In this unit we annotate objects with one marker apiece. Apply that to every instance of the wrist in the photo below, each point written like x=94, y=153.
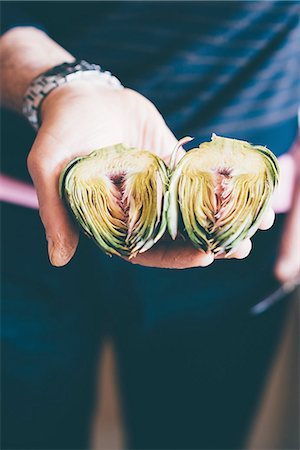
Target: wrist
x=79, y=89
x=25, y=53
x=63, y=74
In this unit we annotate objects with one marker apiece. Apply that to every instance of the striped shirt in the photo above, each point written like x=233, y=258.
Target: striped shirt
x=226, y=67
x=232, y=68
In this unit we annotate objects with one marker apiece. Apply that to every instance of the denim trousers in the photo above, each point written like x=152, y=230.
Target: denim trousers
x=191, y=360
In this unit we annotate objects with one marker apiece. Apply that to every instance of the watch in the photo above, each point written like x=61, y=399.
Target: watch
x=46, y=82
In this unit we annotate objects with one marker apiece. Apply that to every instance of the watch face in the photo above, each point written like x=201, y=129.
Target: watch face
x=60, y=69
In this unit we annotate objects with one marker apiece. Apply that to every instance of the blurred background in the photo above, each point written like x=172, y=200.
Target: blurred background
x=276, y=423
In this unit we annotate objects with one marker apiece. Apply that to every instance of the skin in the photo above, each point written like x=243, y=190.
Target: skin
x=287, y=267
x=80, y=117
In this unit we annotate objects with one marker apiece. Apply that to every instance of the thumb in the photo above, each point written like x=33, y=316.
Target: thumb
x=61, y=234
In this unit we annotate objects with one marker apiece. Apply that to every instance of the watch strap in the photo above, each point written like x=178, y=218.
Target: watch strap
x=57, y=76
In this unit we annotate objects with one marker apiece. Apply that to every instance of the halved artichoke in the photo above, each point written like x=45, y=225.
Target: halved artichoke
x=117, y=196
x=222, y=190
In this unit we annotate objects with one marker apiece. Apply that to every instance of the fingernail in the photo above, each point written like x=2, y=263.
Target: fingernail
x=207, y=259
x=59, y=255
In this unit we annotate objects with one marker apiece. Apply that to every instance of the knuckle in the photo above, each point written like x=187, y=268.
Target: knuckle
x=34, y=162
x=31, y=161
x=38, y=165
x=140, y=100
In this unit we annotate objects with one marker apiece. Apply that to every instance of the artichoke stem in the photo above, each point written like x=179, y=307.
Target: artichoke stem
x=181, y=142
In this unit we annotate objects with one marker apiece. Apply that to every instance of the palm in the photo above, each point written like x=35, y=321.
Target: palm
x=78, y=124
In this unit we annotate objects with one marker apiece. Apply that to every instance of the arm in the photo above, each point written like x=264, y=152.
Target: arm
x=76, y=119
x=25, y=53
x=287, y=266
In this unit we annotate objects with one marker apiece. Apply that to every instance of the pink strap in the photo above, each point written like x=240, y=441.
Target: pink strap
x=17, y=192
x=282, y=198
x=23, y=194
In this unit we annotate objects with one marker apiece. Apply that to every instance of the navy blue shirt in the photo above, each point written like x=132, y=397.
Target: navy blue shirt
x=226, y=67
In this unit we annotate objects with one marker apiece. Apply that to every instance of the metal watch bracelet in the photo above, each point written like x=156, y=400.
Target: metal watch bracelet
x=64, y=73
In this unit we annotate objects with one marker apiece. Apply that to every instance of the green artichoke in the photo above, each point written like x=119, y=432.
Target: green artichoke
x=117, y=196
x=219, y=192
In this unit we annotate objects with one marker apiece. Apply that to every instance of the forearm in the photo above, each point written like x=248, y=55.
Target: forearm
x=25, y=53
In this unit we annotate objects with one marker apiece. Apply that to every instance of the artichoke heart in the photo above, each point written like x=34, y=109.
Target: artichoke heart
x=220, y=191
x=117, y=196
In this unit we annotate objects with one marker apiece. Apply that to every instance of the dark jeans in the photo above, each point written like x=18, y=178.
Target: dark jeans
x=191, y=360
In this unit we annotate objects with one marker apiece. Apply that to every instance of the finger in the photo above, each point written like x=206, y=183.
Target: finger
x=268, y=219
x=287, y=269
x=61, y=233
x=173, y=255
x=242, y=251
x=287, y=266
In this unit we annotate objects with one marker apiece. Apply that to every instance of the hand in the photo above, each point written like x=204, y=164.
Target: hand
x=182, y=255
x=287, y=267
x=79, y=118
